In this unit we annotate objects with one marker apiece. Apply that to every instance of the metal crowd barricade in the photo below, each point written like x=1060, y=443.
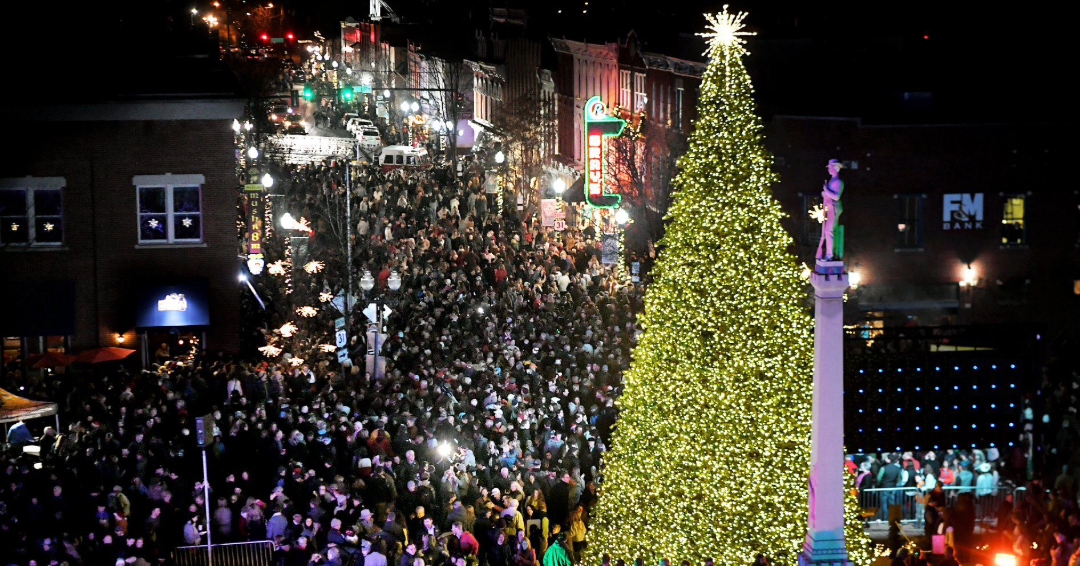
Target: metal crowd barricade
x=258, y=553
x=875, y=502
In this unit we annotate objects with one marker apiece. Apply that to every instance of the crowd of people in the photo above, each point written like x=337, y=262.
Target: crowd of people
x=479, y=441
x=1021, y=499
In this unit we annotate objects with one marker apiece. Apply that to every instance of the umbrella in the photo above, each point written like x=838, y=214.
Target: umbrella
x=109, y=354
x=51, y=360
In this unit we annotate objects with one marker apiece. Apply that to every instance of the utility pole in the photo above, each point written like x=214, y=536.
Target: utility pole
x=348, y=240
x=204, y=436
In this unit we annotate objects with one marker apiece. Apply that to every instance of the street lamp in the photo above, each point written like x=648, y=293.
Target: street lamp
x=854, y=278
x=288, y=222
x=404, y=106
x=500, y=157
x=621, y=217
x=236, y=126
x=267, y=180
x=415, y=106
x=253, y=152
x=560, y=186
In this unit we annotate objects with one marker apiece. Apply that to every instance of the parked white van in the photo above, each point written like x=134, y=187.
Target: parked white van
x=398, y=156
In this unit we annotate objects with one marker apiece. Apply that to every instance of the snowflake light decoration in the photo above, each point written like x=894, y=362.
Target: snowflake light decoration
x=49, y=226
x=818, y=213
x=270, y=350
x=307, y=312
x=725, y=31
x=153, y=223
x=276, y=268
x=287, y=329
x=296, y=362
x=304, y=225
x=186, y=222
x=314, y=266
x=325, y=297
x=328, y=348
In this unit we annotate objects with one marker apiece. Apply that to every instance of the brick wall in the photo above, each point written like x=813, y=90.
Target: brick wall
x=1024, y=284
x=98, y=160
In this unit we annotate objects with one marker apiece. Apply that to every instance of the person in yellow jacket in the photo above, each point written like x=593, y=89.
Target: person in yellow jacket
x=577, y=533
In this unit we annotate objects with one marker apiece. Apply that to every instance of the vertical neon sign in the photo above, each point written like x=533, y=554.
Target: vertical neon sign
x=598, y=125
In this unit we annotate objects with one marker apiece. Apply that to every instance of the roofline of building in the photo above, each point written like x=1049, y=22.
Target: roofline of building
x=859, y=123
x=598, y=50
x=140, y=110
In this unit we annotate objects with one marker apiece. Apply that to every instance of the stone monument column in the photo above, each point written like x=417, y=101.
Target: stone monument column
x=825, y=533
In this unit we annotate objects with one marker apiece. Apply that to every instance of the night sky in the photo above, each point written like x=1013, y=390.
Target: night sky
x=834, y=58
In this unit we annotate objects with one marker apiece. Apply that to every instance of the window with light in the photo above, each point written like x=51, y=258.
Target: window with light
x=32, y=211
x=1014, y=221
x=169, y=212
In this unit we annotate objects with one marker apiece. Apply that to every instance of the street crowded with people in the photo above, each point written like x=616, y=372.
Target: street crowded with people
x=479, y=441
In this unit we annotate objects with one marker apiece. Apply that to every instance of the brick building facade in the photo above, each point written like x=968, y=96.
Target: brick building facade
x=945, y=224
x=122, y=201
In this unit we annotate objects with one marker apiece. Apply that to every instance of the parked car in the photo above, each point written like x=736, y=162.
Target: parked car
x=397, y=156
x=354, y=125
x=279, y=112
x=348, y=116
x=369, y=137
x=296, y=130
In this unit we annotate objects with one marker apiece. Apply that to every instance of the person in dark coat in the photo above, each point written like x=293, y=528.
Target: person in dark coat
x=558, y=501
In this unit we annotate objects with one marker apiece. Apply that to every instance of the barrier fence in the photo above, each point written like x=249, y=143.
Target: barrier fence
x=875, y=502
x=259, y=553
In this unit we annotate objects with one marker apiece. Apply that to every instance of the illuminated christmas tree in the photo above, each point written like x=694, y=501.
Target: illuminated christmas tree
x=710, y=457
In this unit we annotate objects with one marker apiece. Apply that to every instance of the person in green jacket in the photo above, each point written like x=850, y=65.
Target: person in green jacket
x=557, y=554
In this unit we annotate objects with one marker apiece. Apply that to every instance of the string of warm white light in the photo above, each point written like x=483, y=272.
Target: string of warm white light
x=718, y=396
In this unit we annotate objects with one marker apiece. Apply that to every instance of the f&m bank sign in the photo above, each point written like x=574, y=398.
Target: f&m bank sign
x=962, y=211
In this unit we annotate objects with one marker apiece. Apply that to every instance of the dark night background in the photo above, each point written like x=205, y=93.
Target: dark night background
x=956, y=61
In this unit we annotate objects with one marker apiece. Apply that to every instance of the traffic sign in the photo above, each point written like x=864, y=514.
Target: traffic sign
x=370, y=312
x=341, y=338
x=362, y=89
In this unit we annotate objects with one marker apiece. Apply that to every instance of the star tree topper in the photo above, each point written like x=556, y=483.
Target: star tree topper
x=725, y=31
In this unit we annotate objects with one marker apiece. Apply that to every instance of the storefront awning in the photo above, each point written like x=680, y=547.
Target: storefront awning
x=576, y=192
x=37, y=308
x=174, y=305
x=14, y=408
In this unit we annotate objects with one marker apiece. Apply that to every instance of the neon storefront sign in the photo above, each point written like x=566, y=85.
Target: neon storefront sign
x=599, y=125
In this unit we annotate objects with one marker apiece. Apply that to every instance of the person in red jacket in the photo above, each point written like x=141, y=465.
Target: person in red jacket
x=469, y=544
x=947, y=476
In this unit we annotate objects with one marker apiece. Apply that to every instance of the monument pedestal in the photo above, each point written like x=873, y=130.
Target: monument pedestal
x=825, y=545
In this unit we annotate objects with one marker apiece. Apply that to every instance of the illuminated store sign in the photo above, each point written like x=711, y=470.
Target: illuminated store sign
x=962, y=211
x=599, y=125
x=172, y=302
x=255, y=209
